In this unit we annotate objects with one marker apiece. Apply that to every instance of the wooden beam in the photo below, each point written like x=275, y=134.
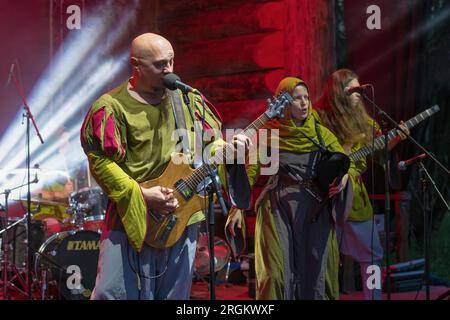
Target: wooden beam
x=179, y=7
x=241, y=54
x=309, y=50
x=239, y=114
x=247, y=86
x=227, y=22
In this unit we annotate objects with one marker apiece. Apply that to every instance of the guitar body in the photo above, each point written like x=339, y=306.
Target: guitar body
x=332, y=165
x=164, y=230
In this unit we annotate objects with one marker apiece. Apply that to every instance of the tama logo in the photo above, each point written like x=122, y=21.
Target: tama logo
x=83, y=245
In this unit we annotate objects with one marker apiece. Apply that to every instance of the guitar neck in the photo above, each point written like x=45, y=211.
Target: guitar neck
x=379, y=142
x=202, y=172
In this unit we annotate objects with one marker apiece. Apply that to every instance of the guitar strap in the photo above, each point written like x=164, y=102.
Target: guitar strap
x=180, y=122
x=319, y=134
x=320, y=145
x=314, y=214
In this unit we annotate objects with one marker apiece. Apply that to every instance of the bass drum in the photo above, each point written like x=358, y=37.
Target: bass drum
x=66, y=265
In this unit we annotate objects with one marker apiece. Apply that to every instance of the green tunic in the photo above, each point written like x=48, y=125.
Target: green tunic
x=361, y=207
x=128, y=142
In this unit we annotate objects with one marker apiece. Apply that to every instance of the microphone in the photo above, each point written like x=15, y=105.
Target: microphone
x=172, y=81
x=349, y=90
x=402, y=165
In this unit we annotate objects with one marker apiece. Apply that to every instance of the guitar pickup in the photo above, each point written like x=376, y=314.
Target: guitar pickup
x=168, y=229
x=184, y=189
x=158, y=217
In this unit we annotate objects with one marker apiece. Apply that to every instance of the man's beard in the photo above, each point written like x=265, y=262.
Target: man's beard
x=158, y=91
x=154, y=91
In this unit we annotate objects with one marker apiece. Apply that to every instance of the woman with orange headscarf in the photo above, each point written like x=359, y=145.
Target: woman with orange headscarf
x=294, y=216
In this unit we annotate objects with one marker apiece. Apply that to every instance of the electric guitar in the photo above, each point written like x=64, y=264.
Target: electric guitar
x=163, y=230
x=335, y=164
x=379, y=142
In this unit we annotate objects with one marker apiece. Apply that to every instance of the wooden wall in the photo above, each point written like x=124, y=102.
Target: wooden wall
x=236, y=51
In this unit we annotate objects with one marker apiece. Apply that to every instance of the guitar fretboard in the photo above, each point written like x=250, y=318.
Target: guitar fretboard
x=379, y=142
x=195, y=178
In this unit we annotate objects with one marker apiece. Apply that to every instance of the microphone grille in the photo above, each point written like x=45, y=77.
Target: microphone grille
x=401, y=166
x=169, y=81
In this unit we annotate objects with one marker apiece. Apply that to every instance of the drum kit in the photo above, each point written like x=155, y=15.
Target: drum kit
x=64, y=247
x=65, y=238
x=222, y=255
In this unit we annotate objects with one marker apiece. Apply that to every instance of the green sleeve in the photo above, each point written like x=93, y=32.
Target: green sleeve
x=253, y=172
x=125, y=193
x=102, y=142
x=361, y=209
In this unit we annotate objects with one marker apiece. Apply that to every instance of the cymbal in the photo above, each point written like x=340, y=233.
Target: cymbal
x=46, y=202
x=44, y=171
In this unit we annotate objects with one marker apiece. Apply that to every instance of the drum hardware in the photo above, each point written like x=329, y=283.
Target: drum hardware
x=17, y=251
x=64, y=263
x=43, y=283
x=44, y=286
x=87, y=207
x=7, y=281
x=222, y=254
x=18, y=248
x=47, y=202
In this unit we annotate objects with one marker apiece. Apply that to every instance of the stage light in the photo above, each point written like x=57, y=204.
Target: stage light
x=432, y=24
x=80, y=72
x=78, y=58
x=86, y=94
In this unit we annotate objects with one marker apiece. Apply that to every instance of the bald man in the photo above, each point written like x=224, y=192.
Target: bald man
x=127, y=137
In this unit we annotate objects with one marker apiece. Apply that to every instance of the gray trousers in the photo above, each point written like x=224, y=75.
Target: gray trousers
x=123, y=274
x=360, y=241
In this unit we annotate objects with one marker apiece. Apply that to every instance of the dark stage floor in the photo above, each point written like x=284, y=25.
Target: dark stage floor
x=200, y=291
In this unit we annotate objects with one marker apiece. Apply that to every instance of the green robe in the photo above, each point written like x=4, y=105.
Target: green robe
x=269, y=260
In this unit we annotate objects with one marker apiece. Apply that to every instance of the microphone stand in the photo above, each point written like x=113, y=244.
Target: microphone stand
x=211, y=189
x=387, y=196
x=387, y=200
x=425, y=178
x=395, y=124
x=29, y=117
x=387, y=206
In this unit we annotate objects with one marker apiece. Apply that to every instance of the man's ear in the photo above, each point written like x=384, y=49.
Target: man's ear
x=134, y=61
